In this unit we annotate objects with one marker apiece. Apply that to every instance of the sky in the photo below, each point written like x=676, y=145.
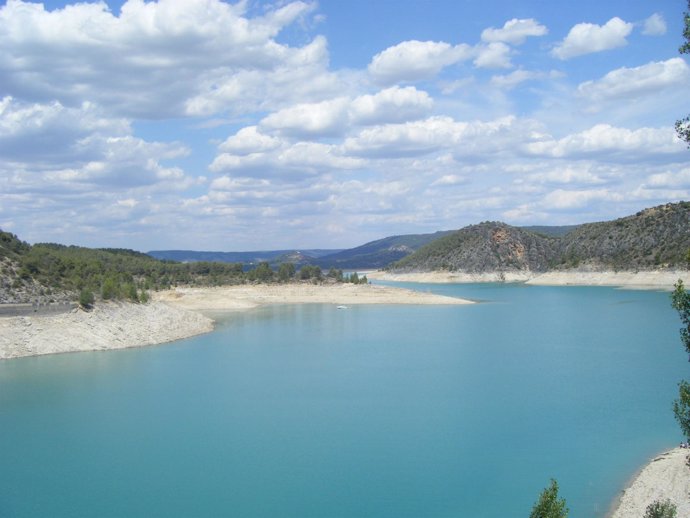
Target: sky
x=257, y=125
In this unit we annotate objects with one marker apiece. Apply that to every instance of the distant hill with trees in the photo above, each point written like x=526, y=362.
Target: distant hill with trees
x=654, y=238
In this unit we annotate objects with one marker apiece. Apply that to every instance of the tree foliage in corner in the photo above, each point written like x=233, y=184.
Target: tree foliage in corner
x=549, y=504
x=683, y=125
x=680, y=300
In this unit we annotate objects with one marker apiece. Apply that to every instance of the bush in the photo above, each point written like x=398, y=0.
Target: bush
x=657, y=509
x=86, y=298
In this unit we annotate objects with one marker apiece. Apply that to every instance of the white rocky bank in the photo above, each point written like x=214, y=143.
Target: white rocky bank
x=106, y=327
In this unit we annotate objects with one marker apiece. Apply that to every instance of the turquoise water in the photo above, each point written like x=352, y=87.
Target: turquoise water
x=375, y=411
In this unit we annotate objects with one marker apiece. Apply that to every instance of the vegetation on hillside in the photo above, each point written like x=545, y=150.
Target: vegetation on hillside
x=658, y=237
x=57, y=272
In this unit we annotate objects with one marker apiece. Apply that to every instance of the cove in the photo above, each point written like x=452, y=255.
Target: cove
x=386, y=411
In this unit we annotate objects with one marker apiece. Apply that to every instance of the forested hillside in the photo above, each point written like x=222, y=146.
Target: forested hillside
x=49, y=272
x=658, y=237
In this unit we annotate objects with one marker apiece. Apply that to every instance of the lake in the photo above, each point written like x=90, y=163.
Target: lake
x=373, y=411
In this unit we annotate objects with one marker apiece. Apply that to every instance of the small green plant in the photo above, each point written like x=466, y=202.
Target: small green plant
x=86, y=298
x=664, y=509
x=549, y=504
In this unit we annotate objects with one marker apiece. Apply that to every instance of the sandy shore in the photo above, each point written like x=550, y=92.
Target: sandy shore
x=249, y=296
x=177, y=314
x=107, y=326
x=666, y=476
x=652, y=279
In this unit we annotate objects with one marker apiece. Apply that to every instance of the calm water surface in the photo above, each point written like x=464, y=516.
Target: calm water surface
x=375, y=411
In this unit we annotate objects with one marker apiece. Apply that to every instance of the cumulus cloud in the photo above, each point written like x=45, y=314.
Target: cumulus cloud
x=415, y=60
x=604, y=139
x=249, y=140
x=561, y=199
x=154, y=59
x=655, y=25
x=514, y=31
x=632, y=82
x=430, y=135
x=493, y=55
x=586, y=38
x=670, y=180
x=390, y=105
x=324, y=118
x=293, y=160
x=53, y=148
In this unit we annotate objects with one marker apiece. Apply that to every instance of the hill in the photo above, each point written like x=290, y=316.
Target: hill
x=379, y=253
x=247, y=258
x=658, y=237
x=488, y=246
x=375, y=254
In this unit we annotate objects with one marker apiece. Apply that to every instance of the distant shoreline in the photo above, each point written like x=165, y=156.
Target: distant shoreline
x=643, y=279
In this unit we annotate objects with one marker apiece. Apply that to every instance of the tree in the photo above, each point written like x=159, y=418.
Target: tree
x=683, y=125
x=681, y=408
x=657, y=509
x=286, y=271
x=549, y=504
x=680, y=300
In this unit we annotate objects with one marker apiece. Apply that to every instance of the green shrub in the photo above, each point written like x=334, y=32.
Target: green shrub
x=657, y=509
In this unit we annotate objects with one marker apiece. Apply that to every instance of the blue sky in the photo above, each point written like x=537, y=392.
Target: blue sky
x=216, y=125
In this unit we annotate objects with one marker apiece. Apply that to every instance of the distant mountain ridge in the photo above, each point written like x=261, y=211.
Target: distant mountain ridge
x=658, y=237
x=375, y=254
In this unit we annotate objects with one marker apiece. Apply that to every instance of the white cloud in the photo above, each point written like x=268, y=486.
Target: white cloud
x=493, y=55
x=434, y=134
x=390, y=105
x=670, y=179
x=323, y=118
x=515, y=31
x=154, y=59
x=655, y=25
x=249, y=140
x=513, y=79
x=298, y=160
x=603, y=139
x=334, y=117
x=415, y=60
x=586, y=38
x=52, y=148
x=569, y=174
x=561, y=199
x=632, y=82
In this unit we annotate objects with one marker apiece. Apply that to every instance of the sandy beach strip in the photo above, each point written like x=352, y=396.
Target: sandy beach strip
x=645, y=279
x=177, y=314
x=666, y=477
x=246, y=296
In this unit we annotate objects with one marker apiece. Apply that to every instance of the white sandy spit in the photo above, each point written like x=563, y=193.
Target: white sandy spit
x=646, y=279
x=667, y=476
x=107, y=326
x=248, y=296
x=176, y=314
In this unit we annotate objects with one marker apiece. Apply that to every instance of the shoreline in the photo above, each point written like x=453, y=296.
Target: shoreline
x=643, y=279
x=177, y=314
x=664, y=476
